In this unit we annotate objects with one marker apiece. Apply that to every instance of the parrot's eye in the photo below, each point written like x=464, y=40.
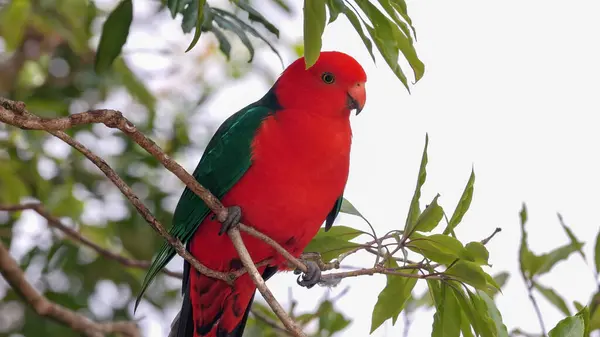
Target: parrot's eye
x=328, y=78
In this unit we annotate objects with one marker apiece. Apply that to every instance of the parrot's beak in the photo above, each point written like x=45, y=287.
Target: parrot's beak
x=357, y=97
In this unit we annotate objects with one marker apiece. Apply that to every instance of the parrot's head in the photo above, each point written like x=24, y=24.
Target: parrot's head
x=334, y=85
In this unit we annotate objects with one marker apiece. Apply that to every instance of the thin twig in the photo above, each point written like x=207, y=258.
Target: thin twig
x=14, y=275
x=270, y=322
x=379, y=269
x=78, y=237
x=486, y=240
x=236, y=237
x=14, y=113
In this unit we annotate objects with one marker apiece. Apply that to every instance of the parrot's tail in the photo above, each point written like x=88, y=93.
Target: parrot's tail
x=212, y=308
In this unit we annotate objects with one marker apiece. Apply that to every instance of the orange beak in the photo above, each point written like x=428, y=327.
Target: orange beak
x=357, y=96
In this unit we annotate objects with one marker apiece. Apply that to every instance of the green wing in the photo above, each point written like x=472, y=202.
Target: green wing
x=225, y=160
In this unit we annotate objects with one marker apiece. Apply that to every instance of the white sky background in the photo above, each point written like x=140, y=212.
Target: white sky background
x=511, y=88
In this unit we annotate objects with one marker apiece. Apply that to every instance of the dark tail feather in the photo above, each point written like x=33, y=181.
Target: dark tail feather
x=183, y=324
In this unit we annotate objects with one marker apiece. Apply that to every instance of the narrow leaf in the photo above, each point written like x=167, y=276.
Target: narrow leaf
x=527, y=260
x=114, y=35
x=480, y=320
x=334, y=242
x=597, y=253
x=199, y=21
x=494, y=314
x=314, y=26
x=437, y=247
x=553, y=298
x=570, y=234
x=447, y=317
x=463, y=204
x=393, y=297
x=431, y=217
x=226, y=24
x=468, y=272
x=548, y=260
x=355, y=22
x=13, y=21
x=573, y=326
x=476, y=252
x=414, y=210
x=256, y=16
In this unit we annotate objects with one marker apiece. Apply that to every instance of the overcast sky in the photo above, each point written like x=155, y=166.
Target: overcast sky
x=511, y=88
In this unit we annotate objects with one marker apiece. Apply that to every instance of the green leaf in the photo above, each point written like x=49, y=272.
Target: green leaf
x=12, y=188
x=447, y=317
x=597, y=253
x=415, y=211
x=334, y=242
x=13, y=21
x=355, y=22
x=553, y=297
x=224, y=44
x=501, y=278
x=329, y=319
x=314, y=26
x=390, y=40
x=348, y=208
x=437, y=247
x=247, y=28
x=463, y=205
x=176, y=6
x=226, y=24
x=199, y=21
x=485, y=323
x=492, y=287
x=527, y=259
x=392, y=12
x=468, y=272
x=431, y=217
x=256, y=16
x=190, y=16
x=548, y=260
x=573, y=326
x=114, y=35
x=465, y=325
x=476, y=252
x=335, y=8
x=494, y=314
x=570, y=234
x=393, y=297
x=472, y=306
x=400, y=6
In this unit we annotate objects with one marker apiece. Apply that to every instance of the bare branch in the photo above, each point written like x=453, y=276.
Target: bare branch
x=22, y=118
x=274, y=324
x=78, y=237
x=235, y=236
x=42, y=306
x=486, y=240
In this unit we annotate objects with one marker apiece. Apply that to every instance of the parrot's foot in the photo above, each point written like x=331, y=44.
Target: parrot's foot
x=234, y=215
x=312, y=275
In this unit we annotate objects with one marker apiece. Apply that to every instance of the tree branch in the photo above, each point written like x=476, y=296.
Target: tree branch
x=78, y=237
x=14, y=113
x=42, y=306
x=235, y=236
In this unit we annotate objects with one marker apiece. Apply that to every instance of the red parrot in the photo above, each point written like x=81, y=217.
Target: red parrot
x=279, y=165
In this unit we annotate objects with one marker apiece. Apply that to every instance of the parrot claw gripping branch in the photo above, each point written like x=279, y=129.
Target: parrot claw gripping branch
x=298, y=135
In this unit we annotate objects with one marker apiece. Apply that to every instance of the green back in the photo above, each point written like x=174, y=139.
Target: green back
x=225, y=160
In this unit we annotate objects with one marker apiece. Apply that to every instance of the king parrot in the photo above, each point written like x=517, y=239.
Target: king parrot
x=279, y=165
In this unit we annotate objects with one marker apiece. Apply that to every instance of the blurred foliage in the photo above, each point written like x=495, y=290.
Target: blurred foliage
x=47, y=60
x=387, y=23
